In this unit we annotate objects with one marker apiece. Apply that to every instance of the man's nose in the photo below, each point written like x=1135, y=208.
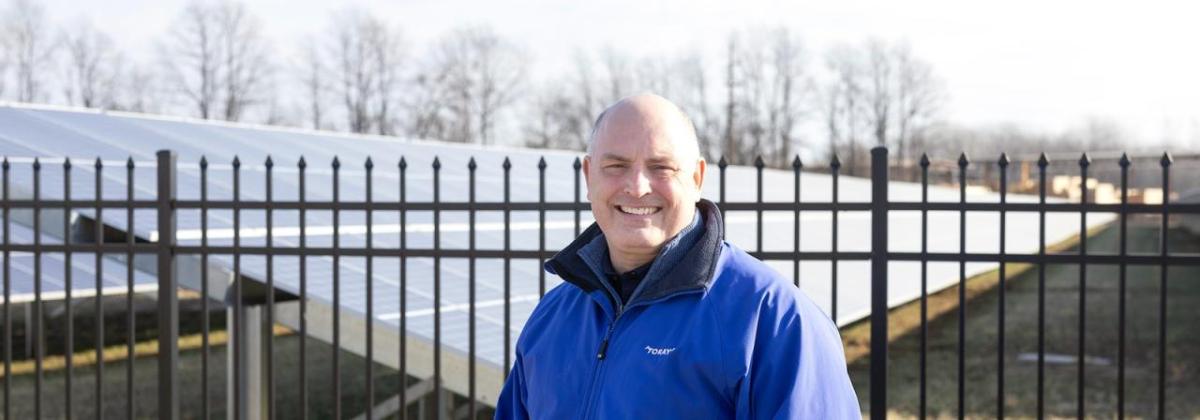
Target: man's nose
x=637, y=184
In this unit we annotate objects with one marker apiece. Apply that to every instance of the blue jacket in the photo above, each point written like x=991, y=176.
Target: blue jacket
x=719, y=335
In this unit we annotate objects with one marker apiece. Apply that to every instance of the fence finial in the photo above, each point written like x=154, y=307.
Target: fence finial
x=269, y=163
x=507, y=164
x=1003, y=162
x=37, y=165
x=924, y=162
x=203, y=162
x=577, y=163
x=542, y=163
x=963, y=160
x=1166, y=159
x=66, y=163
x=301, y=164
x=437, y=163
x=1043, y=161
x=368, y=164
x=722, y=163
x=758, y=162
x=1085, y=160
x=403, y=163
x=1124, y=162
x=835, y=163
x=471, y=164
x=129, y=163
x=237, y=163
x=337, y=163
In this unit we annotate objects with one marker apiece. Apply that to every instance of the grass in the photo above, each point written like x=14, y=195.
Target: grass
x=1061, y=338
x=116, y=403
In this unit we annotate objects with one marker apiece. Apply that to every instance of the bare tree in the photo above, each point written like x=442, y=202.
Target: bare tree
x=878, y=92
x=483, y=72
x=30, y=47
x=313, y=78
x=780, y=103
x=730, y=147
x=553, y=122
x=192, y=58
x=765, y=83
x=243, y=56
x=388, y=52
x=587, y=97
x=752, y=99
x=658, y=73
x=216, y=59
x=790, y=84
x=427, y=107
x=618, y=75
x=138, y=89
x=842, y=103
x=919, y=95
x=693, y=97
x=564, y=109
x=92, y=67
x=368, y=55
x=883, y=88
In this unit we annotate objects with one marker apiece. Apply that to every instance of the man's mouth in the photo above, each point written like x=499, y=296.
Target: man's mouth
x=639, y=211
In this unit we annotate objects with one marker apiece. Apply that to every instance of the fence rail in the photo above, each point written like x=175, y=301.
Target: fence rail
x=167, y=249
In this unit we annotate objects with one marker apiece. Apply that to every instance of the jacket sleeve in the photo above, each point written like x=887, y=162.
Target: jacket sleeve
x=796, y=367
x=511, y=404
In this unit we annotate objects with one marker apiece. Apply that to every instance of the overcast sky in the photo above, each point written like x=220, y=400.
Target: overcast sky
x=1046, y=65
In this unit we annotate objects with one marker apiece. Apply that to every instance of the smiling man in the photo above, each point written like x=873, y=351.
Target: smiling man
x=659, y=317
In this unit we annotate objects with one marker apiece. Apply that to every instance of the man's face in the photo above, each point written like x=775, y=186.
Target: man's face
x=642, y=184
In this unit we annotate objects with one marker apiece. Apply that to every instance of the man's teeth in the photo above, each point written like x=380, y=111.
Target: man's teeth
x=639, y=210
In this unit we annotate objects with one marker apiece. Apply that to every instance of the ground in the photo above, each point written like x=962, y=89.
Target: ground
x=1062, y=320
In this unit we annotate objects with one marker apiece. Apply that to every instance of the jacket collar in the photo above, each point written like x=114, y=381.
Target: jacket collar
x=693, y=269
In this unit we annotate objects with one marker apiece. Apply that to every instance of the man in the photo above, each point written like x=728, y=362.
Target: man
x=659, y=317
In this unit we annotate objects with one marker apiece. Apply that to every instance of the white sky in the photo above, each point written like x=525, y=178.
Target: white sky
x=1046, y=65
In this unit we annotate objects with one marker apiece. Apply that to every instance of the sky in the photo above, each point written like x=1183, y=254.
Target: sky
x=1044, y=65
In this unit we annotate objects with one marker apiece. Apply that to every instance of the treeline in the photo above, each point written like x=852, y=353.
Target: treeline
x=764, y=93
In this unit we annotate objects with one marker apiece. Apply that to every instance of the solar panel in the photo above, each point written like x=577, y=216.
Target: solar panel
x=23, y=274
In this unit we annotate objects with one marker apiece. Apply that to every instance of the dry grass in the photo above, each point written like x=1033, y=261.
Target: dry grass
x=1061, y=338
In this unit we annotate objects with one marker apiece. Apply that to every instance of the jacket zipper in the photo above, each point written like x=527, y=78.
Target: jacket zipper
x=602, y=352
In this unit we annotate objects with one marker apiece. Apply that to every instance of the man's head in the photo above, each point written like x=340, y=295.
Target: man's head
x=644, y=174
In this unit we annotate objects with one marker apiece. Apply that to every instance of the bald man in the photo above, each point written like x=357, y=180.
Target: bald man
x=659, y=317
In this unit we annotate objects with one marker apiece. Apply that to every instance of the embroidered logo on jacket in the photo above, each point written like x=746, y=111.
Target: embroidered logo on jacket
x=657, y=351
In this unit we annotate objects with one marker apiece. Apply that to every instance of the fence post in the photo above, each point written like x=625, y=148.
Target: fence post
x=879, y=283
x=168, y=299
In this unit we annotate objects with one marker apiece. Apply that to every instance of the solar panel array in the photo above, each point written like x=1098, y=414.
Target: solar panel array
x=85, y=136
x=23, y=271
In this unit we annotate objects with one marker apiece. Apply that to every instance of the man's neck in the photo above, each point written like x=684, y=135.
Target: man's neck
x=626, y=262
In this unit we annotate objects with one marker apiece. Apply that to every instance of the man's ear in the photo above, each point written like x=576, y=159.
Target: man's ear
x=587, y=175
x=698, y=176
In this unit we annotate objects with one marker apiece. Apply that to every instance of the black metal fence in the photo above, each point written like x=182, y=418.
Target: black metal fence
x=167, y=249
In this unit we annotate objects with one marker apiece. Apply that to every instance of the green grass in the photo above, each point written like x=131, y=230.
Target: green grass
x=1061, y=337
